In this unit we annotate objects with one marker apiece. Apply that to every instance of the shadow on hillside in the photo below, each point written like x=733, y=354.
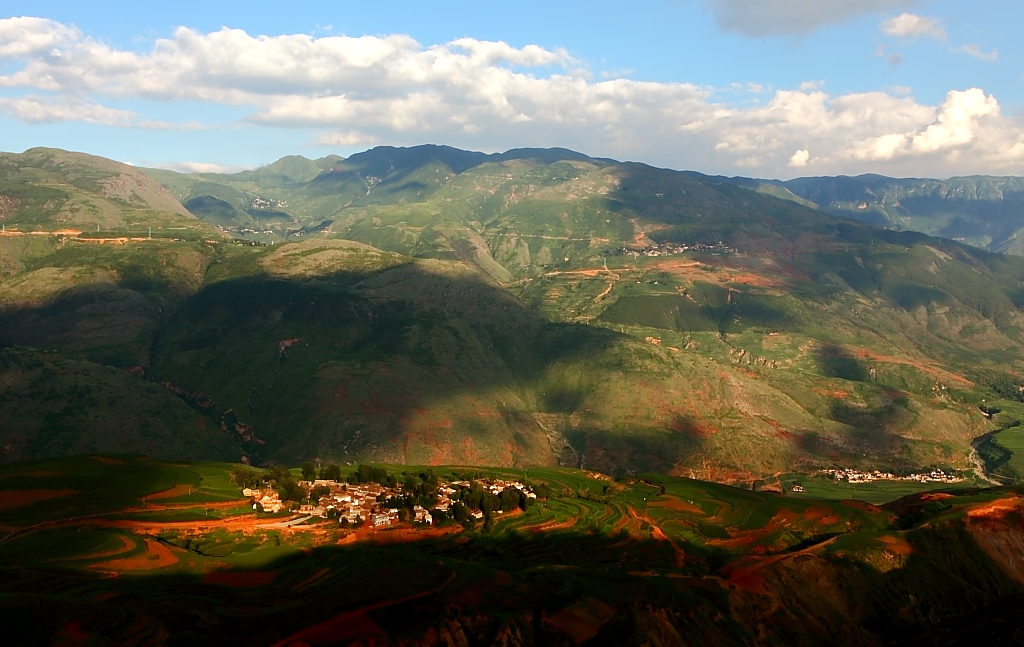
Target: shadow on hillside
x=365, y=592
x=546, y=588
x=416, y=363
x=836, y=361
x=693, y=208
x=640, y=450
x=872, y=429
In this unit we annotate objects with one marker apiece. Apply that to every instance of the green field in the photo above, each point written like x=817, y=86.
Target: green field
x=873, y=492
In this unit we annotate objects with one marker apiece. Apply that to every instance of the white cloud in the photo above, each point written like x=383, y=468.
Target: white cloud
x=800, y=158
x=345, y=139
x=957, y=122
x=37, y=110
x=357, y=91
x=196, y=167
x=27, y=36
x=781, y=17
x=32, y=109
x=908, y=25
x=977, y=52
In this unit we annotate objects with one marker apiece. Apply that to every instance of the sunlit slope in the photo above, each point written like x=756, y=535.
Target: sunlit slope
x=536, y=307
x=46, y=187
x=752, y=332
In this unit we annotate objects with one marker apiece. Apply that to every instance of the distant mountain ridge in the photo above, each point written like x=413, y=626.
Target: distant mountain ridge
x=984, y=211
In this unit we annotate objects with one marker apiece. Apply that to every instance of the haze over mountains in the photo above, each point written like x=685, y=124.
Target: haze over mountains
x=433, y=305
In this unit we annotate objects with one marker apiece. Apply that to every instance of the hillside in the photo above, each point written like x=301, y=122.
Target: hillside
x=119, y=549
x=983, y=211
x=536, y=307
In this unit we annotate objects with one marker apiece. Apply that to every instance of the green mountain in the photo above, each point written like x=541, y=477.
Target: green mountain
x=986, y=212
x=536, y=307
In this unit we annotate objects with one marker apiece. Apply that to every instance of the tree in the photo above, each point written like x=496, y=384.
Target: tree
x=510, y=499
x=330, y=472
x=308, y=471
x=245, y=477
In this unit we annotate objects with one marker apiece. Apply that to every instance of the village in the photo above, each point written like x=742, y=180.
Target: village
x=670, y=249
x=851, y=475
x=376, y=505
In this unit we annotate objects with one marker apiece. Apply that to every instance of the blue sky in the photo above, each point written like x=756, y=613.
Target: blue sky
x=772, y=88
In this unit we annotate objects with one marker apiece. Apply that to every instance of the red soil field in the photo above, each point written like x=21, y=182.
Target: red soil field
x=176, y=491
x=676, y=504
x=896, y=545
x=126, y=545
x=17, y=498
x=551, y=525
x=156, y=556
x=756, y=280
x=997, y=508
x=861, y=505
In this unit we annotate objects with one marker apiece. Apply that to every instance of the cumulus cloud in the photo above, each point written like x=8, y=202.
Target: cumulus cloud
x=956, y=123
x=28, y=36
x=787, y=17
x=908, y=25
x=359, y=91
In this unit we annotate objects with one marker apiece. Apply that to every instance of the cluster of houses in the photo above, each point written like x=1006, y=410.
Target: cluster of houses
x=670, y=249
x=356, y=504
x=267, y=203
x=851, y=475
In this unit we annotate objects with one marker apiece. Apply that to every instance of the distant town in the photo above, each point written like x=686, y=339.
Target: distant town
x=851, y=475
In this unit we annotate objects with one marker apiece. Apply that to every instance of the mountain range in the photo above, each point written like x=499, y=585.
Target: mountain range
x=430, y=305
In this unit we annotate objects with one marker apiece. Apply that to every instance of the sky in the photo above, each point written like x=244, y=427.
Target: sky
x=757, y=88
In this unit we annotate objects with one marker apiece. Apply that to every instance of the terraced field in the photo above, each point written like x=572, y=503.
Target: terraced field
x=124, y=548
